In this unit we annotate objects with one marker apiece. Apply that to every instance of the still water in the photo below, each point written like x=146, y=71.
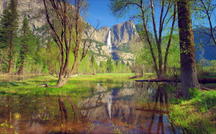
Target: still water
x=123, y=108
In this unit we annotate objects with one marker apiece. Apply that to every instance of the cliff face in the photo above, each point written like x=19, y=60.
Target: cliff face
x=120, y=33
x=2, y=5
x=33, y=9
x=112, y=41
x=123, y=33
x=118, y=39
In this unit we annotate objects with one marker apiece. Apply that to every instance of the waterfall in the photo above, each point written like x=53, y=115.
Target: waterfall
x=109, y=42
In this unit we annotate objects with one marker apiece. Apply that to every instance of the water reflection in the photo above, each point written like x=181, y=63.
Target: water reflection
x=128, y=108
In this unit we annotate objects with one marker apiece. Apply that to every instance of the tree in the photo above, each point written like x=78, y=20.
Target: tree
x=66, y=29
x=8, y=31
x=205, y=9
x=102, y=67
x=147, y=10
x=109, y=65
x=27, y=42
x=93, y=64
x=187, y=50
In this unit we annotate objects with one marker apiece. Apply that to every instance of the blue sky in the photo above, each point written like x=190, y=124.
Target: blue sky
x=99, y=13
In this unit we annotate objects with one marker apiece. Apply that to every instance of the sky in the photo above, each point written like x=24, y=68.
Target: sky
x=99, y=14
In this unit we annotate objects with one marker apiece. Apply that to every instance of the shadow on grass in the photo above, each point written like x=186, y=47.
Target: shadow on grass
x=6, y=84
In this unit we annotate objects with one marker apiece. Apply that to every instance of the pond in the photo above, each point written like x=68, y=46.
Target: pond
x=123, y=108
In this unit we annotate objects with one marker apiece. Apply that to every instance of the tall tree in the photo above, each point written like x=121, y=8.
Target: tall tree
x=8, y=31
x=152, y=23
x=27, y=42
x=109, y=65
x=66, y=29
x=187, y=50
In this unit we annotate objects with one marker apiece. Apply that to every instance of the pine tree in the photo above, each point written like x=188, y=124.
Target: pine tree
x=93, y=64
x=109, y=65
x=26, y=39
x=8, y=31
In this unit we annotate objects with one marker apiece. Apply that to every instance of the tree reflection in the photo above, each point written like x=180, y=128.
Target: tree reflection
x=160, y=109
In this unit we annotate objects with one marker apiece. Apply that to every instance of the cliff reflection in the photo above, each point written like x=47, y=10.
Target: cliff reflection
x=143, y=109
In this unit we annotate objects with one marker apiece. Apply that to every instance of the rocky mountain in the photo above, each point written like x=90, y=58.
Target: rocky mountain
x=117, y=39
x=112, y=41
x=119, y=34
x=205, y=47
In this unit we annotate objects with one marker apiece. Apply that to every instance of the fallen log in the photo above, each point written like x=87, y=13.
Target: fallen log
x=153, y=111
x=203, y=81
x=135, y=77
x=158, y=80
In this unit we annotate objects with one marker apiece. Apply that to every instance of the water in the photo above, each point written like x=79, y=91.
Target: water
x=109, y=42
x=110, y=107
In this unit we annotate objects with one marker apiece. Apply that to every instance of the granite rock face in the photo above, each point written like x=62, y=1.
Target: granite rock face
x=121, y=37
x=123, y=33
x=33, y=9
x=120, y=33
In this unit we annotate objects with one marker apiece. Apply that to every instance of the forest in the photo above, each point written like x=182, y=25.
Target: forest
x=107, y=67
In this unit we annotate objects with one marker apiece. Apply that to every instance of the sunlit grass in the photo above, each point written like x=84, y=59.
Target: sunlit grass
x=77, y=86
x=196, y=115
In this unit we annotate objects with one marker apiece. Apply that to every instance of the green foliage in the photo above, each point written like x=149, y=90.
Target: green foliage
x=28, y=45
x=205, y=100
x=193, y=92
x=88, y=65
x=48, y=64
x=144, y=61
x=174, y=53
x=109, y=65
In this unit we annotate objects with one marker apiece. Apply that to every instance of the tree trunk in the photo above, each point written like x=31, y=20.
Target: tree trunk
x=61, y=81
x=10, y=63
x=74, y=69
x=10, y=57
x=21, y=68
x=21, y=64
x=9, y=66
x=188, y=64
x=64, y=74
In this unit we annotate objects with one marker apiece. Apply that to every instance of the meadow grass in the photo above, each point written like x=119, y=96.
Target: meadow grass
x=197, y=115
x=78, y=85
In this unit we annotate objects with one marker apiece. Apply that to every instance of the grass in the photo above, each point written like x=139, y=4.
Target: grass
x=197, y=115
x=76, y=86
x=147, y=76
